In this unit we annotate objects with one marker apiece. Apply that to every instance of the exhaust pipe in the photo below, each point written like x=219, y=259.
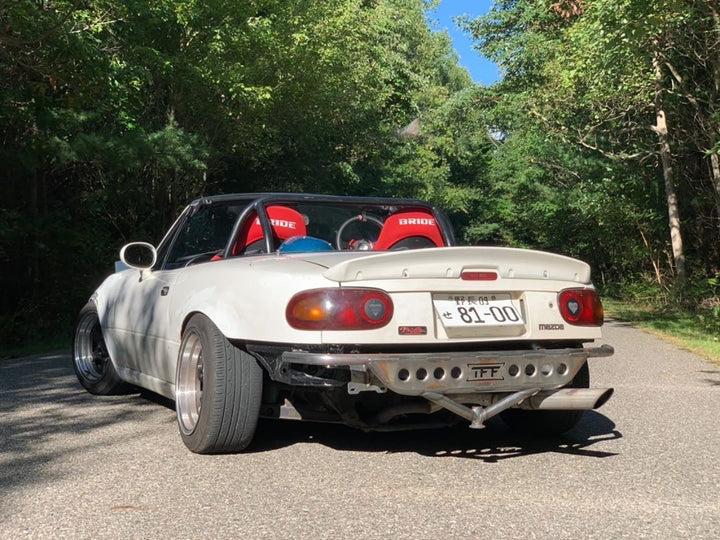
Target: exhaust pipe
x=578, y=399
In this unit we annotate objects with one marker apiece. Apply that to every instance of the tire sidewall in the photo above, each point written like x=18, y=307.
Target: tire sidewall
x=109, y=382
x=231, y=392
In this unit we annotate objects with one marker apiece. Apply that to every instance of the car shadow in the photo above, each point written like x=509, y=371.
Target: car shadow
x=46, y=383
x=494, y=443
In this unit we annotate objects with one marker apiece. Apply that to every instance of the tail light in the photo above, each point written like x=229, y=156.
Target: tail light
x=339, y=309
x=581, y=307
x=478, y=275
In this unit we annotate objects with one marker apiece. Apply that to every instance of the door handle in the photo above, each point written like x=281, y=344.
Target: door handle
x=165, y=290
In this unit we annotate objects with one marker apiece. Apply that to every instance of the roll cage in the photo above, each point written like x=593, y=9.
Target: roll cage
x=257, y=205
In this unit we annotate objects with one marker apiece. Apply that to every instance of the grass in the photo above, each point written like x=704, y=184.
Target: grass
x=682, y=327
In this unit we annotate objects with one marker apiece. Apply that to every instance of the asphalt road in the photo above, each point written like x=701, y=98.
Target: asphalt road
x=646, y=465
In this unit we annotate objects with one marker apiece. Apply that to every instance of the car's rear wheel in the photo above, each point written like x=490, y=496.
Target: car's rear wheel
x=548, y=422
x=91, y=359
x=218, y=390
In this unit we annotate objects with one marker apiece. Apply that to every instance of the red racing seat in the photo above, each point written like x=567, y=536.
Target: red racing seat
x=408, y=229
x=285, y=223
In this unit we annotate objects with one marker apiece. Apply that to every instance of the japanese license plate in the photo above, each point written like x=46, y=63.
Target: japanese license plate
x=476, y=310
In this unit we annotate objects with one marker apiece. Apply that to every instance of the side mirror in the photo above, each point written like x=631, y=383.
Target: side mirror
x=140, y=255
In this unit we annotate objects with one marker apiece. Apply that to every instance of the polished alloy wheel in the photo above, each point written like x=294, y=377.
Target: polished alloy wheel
x=90, y=354
x=189, y=388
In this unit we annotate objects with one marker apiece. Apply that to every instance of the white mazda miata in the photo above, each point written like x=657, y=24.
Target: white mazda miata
x=340, y=309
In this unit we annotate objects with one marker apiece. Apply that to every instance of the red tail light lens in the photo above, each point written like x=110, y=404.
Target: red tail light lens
x=581, y=307
x=339, y=309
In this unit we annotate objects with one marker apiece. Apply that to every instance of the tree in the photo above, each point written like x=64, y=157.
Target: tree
x=115, y=114
x=624, y=84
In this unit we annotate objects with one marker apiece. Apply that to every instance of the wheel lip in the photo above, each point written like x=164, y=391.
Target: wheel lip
x=84, y=356
x=188, y=385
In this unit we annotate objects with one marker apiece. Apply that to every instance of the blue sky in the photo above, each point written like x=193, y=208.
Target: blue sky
x=480, y=68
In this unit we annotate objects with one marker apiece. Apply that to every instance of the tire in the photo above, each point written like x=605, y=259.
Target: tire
x=218, y=391
x=91, y=360
x=548, y=423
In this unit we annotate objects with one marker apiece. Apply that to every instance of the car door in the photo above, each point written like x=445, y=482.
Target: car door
x=142, y=312
x=136, y=309
x=155, y=341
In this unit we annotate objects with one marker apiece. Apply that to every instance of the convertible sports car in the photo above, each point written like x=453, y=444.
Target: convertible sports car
x=340, y=309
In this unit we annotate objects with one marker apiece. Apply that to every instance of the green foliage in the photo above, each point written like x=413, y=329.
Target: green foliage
x=113, y=115
x=577, y=168
x=638, y=289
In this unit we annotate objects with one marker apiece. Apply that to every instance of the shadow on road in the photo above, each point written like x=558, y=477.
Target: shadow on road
x=41, y=403
x=46, y=414
x=492, y=444
x=715, y=381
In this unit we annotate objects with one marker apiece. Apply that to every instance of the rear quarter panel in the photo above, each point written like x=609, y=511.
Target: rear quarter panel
x=246, y=297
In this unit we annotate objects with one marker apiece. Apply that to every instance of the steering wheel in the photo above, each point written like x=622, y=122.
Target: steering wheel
x=361, y=244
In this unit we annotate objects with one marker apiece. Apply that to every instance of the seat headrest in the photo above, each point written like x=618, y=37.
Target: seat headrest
x=285, y=223
x=409, y=224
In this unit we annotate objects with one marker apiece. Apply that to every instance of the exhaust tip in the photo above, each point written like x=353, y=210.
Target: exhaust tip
x=604, y=397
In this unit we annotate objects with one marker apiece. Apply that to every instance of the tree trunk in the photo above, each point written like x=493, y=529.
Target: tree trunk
x=715, y=62
x=661, y=130
x=715, y=172
x=655, y=264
